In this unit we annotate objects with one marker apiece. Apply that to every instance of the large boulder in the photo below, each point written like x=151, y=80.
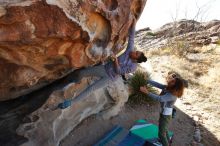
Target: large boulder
x=43, y=40
x=48, y=126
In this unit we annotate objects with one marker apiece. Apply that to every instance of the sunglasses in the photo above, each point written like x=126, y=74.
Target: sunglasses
x=174, y=76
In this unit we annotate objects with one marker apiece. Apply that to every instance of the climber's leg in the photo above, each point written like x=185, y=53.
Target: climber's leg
x=98, y=71
x=101, y=83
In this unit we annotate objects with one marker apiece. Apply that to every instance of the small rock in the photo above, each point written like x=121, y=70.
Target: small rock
x=197, y=135
x=194, y=143
x=214, y=39
x=196, y=118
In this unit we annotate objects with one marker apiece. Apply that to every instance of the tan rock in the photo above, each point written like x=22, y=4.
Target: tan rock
x=52, y=126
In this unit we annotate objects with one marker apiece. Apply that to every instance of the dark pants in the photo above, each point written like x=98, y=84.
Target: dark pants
x=163, y=129
x=98, y=71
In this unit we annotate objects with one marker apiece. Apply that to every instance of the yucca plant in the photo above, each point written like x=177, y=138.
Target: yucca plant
x=136, y=81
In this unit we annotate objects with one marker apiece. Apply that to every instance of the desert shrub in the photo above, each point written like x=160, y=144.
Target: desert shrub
x=137, y=80
x=218, y=42
x=150, y=33
x=178, y=48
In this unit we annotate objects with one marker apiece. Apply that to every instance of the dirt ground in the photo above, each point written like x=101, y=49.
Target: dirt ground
x=93, y=128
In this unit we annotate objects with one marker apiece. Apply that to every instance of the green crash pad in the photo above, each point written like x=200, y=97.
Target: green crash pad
x=146, y=130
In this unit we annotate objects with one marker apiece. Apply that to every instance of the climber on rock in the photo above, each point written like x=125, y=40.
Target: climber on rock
x=126, y=63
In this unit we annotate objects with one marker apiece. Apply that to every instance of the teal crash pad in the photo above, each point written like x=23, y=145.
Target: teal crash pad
x=142, y=133
x=114, y=137
x=146, y=130
x=120, y=136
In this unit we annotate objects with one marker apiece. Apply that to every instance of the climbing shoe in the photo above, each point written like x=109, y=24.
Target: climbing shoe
x=65, y=104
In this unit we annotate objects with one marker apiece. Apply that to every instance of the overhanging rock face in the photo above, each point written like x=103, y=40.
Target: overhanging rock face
x=43, y=40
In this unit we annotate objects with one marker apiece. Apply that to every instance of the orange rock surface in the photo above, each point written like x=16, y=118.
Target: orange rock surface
x=43, y=40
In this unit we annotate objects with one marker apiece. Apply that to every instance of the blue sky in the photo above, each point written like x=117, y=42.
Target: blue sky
x=159, y=12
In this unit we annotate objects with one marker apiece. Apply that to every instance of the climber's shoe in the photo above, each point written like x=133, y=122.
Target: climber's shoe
x=65, y=104
x=170, y=140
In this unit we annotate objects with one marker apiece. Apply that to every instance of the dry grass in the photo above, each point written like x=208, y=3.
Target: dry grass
x=160, y=51
x=178, y=48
